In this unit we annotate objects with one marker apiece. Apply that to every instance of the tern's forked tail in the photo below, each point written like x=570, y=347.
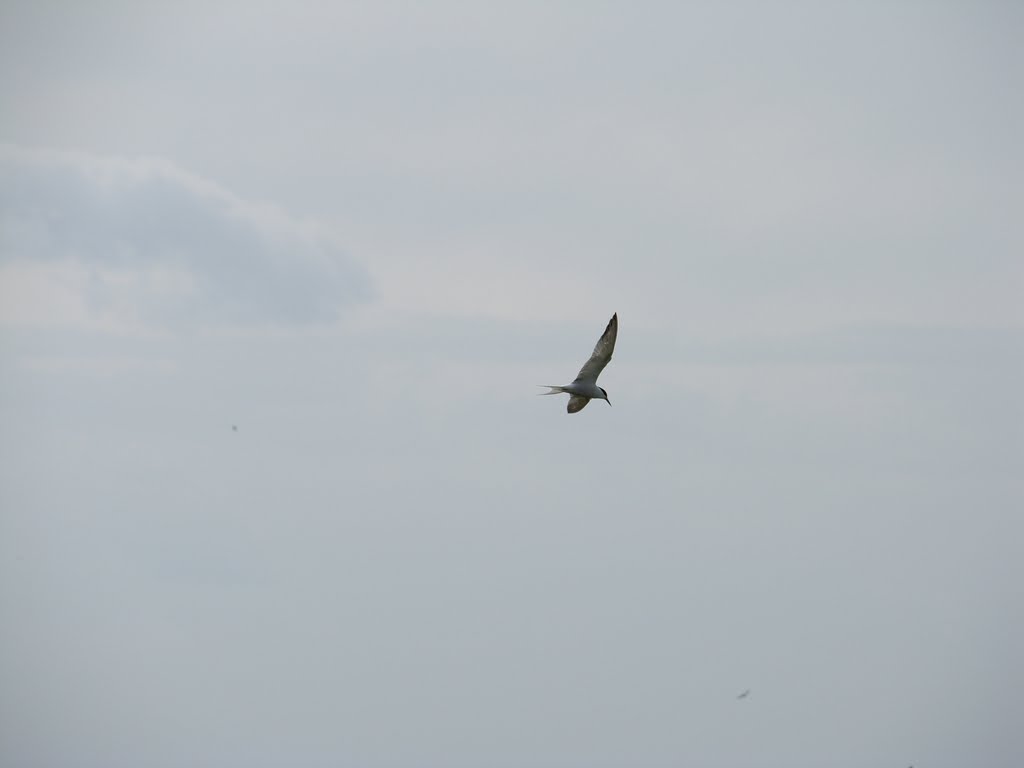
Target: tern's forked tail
x=554, y=390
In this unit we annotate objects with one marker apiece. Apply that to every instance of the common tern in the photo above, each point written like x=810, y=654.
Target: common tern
x=584, y=388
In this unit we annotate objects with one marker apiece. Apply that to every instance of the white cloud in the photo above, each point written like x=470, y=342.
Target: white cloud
x=110, y=240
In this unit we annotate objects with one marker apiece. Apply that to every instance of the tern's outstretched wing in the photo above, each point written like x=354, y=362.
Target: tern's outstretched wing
x=577, y=403
x=602, y=352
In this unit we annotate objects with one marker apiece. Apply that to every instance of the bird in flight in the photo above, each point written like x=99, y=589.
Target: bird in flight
x=584, y=388
x=744, y=694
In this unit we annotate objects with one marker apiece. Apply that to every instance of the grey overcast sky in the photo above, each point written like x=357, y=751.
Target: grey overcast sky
x=362, y=232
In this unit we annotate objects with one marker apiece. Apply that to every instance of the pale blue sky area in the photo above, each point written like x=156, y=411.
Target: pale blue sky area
x=362, y=233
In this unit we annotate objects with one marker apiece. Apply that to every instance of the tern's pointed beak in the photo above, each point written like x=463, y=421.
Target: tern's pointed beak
x=608, y=401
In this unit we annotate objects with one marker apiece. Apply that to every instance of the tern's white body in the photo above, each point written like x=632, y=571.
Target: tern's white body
x=584, y=388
